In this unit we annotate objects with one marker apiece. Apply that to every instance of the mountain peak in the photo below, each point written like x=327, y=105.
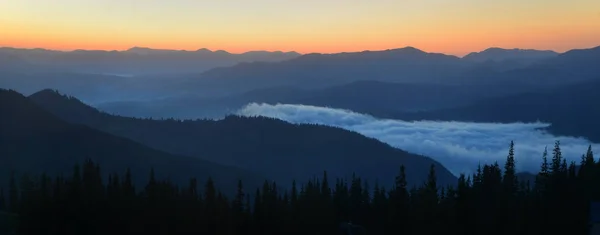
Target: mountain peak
x=502, y=54
x=411, y=49
x=136, y=48
x=221, y=52
x=4, y=93
x=53, y=98
x=24, y=114
x=514, y=50
x=203, y=50
x=46, y=93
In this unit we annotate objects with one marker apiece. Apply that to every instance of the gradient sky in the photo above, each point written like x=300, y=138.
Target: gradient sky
x=448, y=26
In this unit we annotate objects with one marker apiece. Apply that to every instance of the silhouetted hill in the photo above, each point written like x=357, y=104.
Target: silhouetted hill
x=275, y=148
x=495, y=60
x=572, y=110
x=33, y=141
x=500, y=54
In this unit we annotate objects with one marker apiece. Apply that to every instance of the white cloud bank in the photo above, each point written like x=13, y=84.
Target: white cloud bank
x=459, y=146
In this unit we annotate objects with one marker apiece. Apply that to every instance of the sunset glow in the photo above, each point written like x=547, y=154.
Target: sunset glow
x=453, y=27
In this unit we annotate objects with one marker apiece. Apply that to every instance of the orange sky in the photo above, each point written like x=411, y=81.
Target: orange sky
x=448, y=26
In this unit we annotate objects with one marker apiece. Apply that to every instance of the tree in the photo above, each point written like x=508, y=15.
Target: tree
x=556, y=159
x=13, y=194
x=431, y=185
x=238, y=202
x=510, y=179
x=2, y=200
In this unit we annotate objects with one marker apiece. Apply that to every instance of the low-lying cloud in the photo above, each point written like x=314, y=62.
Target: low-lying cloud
x=459, y=146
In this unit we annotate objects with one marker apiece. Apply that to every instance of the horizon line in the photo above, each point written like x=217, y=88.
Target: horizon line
x=275, y=51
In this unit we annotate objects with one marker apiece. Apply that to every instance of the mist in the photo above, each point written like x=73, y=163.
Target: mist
x=460, y=146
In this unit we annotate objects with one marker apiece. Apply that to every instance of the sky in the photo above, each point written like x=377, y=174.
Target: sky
x=459, y=146
x=327, y=26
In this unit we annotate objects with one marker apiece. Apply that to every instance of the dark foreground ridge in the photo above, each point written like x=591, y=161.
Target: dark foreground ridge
x=492, y=201
x=32, y=141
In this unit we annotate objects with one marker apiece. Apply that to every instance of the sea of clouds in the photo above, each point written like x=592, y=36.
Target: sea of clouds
x=460, y=146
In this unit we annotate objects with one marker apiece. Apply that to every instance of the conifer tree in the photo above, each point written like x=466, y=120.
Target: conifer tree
x=2, y=200
x=510, y=178
x=431, y=185
x=13, y=194
x=556, y=159
x=545, y=168
x=238, y=203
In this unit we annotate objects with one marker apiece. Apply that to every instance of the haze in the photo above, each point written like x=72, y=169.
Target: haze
x=452, y=27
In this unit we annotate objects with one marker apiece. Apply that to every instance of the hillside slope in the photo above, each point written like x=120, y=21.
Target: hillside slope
x=33, y=141
x=275, y=148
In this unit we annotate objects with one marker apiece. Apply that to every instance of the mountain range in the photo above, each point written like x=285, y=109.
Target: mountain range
x=405, y=65
x=552, y=90
x=381, y=99
x=138, y=61
x=521, y=56
x=268, y=147
x=572, y=110
x=507, y=73
x=495, y=85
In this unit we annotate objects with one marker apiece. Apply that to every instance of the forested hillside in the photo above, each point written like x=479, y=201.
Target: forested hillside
x=492, y=201
x=33, y=141
x=277, y=149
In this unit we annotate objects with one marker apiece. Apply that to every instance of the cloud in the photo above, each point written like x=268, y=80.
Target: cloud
x=459, y=146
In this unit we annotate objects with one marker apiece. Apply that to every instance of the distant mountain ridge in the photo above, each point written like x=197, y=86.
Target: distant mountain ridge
x=315, y=70
x=403, y=65
x=144, y=50
x=500, y=54
x=311, y=71
x=376, y=98
x=573, y=110
x=345, y=81
x=141, y=60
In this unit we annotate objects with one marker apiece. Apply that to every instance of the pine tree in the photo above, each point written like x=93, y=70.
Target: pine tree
x=545, y=168
x=401, y=179
x=399, y=200
x=431, y=185
x=589, y=155
x=510, y=179
x=238, y=203
x=556, y=159
x=13, y=194
x=2, y=200
x=477, y=177
x=325, y=189
x=541, y=180
x=211, y=206
x=294, y=194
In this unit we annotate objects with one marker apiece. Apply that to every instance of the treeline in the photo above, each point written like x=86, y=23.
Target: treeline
x=491, y=201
